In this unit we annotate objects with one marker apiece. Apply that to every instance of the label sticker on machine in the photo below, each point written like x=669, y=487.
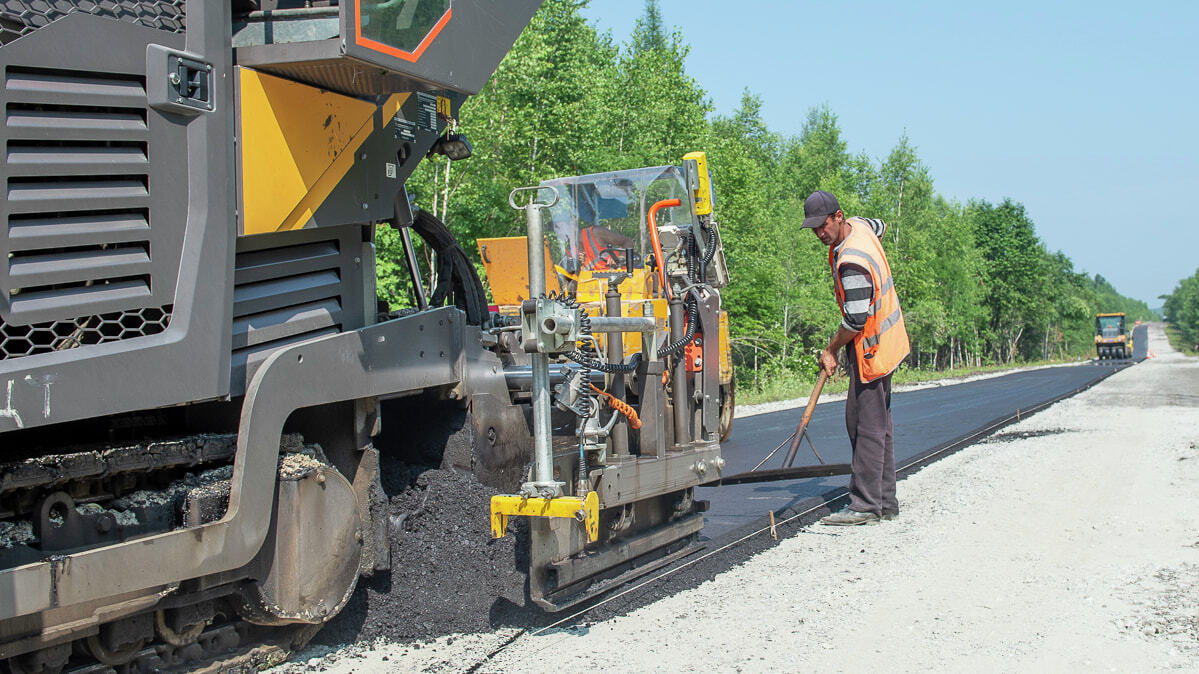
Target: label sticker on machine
x=426, y=111
x=390, y=169
x=405, y=130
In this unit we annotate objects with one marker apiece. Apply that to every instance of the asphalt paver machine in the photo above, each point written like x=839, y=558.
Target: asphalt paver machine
x=195, y=378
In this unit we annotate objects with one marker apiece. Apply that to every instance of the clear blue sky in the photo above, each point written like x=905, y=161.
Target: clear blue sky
x=1086, y=112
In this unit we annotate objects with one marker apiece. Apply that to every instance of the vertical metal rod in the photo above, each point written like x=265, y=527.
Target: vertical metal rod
x=682, y=418
x=652, y=436
x=543, y=471
x=620, y=432
x=543, y=457
x=418, y=285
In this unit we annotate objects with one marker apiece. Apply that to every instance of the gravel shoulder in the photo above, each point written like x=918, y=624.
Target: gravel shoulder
x=1068, y=541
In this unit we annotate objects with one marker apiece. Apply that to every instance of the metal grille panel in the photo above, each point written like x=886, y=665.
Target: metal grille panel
x=21, y=17
x=27, y=340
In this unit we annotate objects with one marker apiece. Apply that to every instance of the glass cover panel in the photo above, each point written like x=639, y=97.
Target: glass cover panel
x=400, y=23
x=598, y=215
x=1110, y=326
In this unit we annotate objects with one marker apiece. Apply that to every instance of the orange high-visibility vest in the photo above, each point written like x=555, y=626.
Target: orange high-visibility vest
x=883, y=342
x=591, y=249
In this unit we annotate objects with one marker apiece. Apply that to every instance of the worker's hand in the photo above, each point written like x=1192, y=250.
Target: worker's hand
x=828, y=362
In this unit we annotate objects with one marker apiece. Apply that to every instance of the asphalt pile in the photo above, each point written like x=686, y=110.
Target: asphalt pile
x=448, y=574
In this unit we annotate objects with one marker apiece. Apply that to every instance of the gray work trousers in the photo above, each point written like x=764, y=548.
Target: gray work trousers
x=868, y=420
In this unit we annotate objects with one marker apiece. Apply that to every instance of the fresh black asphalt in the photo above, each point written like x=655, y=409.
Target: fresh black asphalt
x=923, y=419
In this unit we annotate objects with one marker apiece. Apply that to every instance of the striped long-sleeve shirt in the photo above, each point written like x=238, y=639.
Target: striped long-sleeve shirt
x=855, y=282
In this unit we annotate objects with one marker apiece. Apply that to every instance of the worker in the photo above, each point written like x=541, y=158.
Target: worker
x=876, y=341
x=599, y=246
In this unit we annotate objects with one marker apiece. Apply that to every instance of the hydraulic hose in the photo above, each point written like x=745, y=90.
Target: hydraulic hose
x=653, y=235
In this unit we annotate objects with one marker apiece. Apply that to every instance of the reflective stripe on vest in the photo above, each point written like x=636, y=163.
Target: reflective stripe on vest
x=883, y=342
x=886, y=325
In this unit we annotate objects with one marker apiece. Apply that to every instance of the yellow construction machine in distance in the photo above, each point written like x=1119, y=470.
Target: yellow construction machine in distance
x=1111, y=338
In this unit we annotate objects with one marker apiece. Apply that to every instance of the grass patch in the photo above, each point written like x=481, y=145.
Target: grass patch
x=1177, y=341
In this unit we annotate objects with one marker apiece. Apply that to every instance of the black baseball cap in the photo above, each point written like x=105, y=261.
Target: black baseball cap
x=818, y=206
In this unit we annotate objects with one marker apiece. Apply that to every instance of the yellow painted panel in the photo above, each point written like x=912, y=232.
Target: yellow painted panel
x=702, y=195
x=297, y=142
x=726, y=361
x=591, y=286
x=506, y=260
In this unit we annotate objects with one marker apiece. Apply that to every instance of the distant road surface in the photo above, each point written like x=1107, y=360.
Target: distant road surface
x=923, y=419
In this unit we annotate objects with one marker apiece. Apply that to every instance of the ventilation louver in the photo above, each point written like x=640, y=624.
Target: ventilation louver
x=285, y=295
x=77, y=211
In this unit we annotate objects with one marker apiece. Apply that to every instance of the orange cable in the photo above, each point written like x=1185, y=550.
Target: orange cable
x=621, y=406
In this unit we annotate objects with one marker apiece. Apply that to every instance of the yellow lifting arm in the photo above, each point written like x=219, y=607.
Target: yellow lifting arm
x=585, y=510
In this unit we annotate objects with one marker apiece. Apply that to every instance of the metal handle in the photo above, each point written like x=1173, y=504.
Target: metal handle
x=534, y=202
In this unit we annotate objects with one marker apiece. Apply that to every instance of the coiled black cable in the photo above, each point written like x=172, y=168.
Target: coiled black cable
x=710, y=240
x=692, y=254
x=611, y=368
x=581, y=356
x=692, y=307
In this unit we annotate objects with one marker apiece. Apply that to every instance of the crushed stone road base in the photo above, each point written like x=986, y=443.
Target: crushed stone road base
x=1068, y=542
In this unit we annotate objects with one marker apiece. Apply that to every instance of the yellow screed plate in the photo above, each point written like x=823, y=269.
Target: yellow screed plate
x=503, y=507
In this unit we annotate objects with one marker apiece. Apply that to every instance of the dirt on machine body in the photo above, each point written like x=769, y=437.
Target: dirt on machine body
x=209, y=426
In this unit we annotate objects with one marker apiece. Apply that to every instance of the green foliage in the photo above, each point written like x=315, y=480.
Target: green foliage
x=977, y=285
x=1182, y=311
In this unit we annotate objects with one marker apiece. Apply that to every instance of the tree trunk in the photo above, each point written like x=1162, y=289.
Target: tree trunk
x=1013, y=344
x=786, y=322
x=445, y=195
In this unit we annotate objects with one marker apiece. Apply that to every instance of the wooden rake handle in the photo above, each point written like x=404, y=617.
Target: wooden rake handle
x=807, y=416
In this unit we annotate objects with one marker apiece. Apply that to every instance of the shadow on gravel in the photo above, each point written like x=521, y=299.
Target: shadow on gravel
x=1024, y=435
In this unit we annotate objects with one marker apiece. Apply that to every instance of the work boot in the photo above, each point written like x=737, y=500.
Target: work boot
x=890, y=514
x=849, y=518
